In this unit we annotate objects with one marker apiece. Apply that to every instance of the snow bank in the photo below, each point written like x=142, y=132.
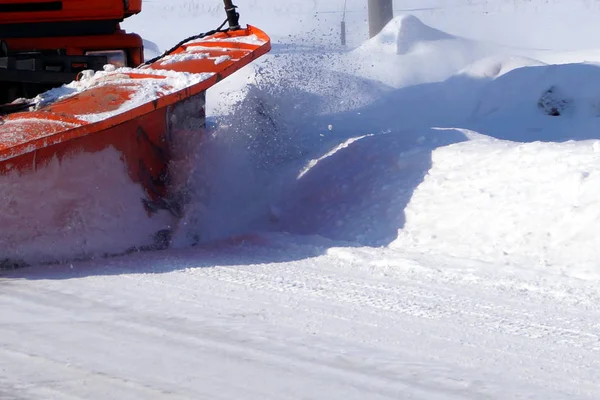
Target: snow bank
x=532, y=204
x=569, y=89
x=538, y=102
x=407, y=52
x=358, y=190
x=293, y=154
x=497, y=65
x=405, y=169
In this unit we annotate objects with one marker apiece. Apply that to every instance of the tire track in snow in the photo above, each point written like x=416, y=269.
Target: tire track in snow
x=257, y=312
x=466, y=315
x=288, y=354
x=412, y=299
x=58, y=387
x=406, y=297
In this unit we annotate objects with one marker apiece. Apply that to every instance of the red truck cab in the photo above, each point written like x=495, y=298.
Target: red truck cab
x=46, y=43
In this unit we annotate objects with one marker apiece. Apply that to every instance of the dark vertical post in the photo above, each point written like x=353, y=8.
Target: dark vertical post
x=233, y=18
x=380, y=13
x=343, y=32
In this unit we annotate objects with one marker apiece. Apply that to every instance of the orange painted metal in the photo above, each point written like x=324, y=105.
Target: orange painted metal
x=71, y=10
x=76, y=11
x=107, y=112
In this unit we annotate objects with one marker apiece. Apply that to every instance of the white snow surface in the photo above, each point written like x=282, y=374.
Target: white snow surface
x=411, y=216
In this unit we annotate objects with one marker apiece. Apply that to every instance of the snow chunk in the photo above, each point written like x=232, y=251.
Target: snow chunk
x=221, y=59
x=186, y=56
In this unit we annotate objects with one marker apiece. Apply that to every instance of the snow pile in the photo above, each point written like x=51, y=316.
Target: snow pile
x=569, y=89
x=83, y=206
x=404, y=168
x=408, y=52
x=527, y=204
x=357, y=191
x=406, y=34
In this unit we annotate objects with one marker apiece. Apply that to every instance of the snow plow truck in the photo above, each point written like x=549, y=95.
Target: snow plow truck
x=72, y=82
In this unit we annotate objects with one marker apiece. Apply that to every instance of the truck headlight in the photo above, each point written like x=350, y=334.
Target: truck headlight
x=114, y=57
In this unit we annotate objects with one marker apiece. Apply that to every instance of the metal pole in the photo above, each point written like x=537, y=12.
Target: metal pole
x=380, y=13
x=233, y=18
x=343, y=24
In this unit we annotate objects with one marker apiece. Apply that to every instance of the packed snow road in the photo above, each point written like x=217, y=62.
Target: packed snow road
x=270, y=321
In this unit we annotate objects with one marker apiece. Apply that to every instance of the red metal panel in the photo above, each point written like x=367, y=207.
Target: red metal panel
x=108, y=114
x=72, y=10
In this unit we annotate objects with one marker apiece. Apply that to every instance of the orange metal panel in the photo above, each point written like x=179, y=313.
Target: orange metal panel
x=107, y=113
x=133, y=7
x=71, y=10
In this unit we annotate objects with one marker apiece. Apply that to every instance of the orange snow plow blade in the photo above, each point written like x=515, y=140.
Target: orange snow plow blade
x=107, y=100
x=126, y=106
x=138, y=111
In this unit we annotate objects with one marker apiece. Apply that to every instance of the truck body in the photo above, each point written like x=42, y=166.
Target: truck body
x=46, y=43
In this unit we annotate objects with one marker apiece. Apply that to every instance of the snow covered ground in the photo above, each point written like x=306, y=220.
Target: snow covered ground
x=274, y=319
x=413, y=216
